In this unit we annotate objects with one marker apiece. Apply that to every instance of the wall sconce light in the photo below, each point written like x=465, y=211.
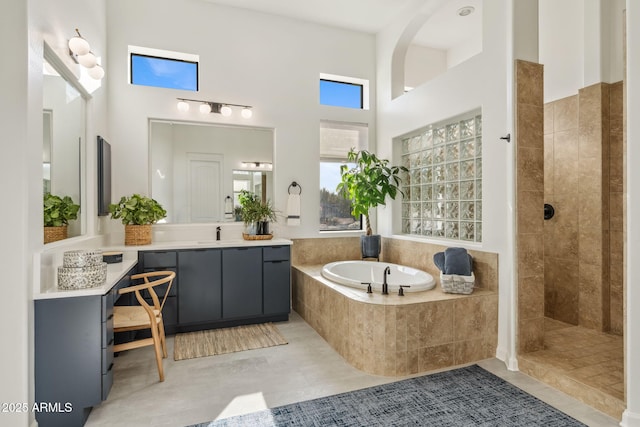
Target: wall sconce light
x=80, y=52
x=263, y=166
x=207, y=107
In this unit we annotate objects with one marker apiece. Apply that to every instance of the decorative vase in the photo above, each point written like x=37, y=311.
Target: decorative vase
x=137, y=235
x=370, y=246
x=53, y=234
x=262, y=227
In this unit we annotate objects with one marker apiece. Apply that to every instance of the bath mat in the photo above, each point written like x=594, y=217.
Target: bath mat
x=228, y=340
x=467, y=396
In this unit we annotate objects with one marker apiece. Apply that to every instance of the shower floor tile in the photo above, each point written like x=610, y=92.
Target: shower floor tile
x=583, y=363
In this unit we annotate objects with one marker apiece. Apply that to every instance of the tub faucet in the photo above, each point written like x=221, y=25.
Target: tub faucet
x=385, y=286
x=218, y=230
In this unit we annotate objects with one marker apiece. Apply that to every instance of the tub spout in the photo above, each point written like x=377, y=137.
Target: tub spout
x=385, y=286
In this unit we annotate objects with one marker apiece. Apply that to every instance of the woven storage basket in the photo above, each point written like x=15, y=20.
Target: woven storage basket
x=53, y=234
x=246, y=236
x=137, y=235
x=455, y=284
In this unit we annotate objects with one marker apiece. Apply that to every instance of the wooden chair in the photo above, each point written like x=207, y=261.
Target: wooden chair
x=145, y=316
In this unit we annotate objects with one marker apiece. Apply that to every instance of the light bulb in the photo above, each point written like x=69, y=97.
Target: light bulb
x=183, y=106
x=226, y=110
x=96, y=72
x=205, y=108
x=246, y=112
x=79, y=46
x=88, y=60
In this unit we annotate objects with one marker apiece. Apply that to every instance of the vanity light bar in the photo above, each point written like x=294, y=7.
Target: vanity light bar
x=258, y=165
x=207, y=107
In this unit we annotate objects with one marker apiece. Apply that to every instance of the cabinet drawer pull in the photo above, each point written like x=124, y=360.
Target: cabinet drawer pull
x=110, y=367
x=275, y=262
x=111, y=341
x=110, y=316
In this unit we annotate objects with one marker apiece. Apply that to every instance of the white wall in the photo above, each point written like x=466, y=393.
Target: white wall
x=422, y=64
x=482, y=81
x=580, y=44
x=24, y=26
x=269, y=62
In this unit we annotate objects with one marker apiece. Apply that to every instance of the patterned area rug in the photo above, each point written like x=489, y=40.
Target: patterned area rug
x=467, y=396
x=227, y=340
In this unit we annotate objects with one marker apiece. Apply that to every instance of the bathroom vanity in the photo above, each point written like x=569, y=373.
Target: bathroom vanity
x=218, y=284
x=225, y=285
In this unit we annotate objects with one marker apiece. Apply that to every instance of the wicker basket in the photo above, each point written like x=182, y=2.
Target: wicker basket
x=246, y=236
x=53, y=234
x=455, y=284
x=137, y=235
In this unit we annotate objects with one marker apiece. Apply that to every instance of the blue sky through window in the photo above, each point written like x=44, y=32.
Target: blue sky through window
x=339, y=94
x=164, y=72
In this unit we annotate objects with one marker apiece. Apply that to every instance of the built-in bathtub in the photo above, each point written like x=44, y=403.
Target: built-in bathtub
x=358, y=274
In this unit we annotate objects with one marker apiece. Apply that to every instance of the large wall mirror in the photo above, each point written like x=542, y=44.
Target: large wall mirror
x=64, y=109
x=197, y=169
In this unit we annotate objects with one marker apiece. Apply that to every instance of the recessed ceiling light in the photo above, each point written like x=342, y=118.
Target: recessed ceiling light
x=465, y=11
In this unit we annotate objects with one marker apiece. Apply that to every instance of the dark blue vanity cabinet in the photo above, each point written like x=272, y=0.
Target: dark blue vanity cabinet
x=242, y=282
x=276, y=272
x=228, y=286
x=162, y=261
x=73, y=355
x=201, y=286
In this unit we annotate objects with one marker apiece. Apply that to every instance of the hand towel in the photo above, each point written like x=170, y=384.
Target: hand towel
x=438, y=260
x=293, y=209
x=457, y=261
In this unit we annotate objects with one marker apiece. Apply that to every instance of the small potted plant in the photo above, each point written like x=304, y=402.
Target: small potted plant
x=256, y=215
x=58, y=211
x=137, y=214
x=367, y=185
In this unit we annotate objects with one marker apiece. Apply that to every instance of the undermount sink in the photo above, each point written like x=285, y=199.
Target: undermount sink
x=209, y=242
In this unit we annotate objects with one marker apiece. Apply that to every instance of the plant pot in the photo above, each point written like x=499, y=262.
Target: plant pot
x=53, y=234
x=262, y=227
x=370, y=246
x=137, y=235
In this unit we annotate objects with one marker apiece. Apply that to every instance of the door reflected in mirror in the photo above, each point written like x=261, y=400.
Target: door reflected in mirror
x=195, y=167
x=63, y=135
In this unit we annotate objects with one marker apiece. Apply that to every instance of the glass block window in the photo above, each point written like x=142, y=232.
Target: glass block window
x=443, y=188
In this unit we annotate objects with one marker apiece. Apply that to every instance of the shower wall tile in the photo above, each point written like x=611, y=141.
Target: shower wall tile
x=531, y=297
x=562, y=289
x=565, y=164
x=530, y=207
x=533, y=121
x=529, y=78
x=548, y=165
x=530, y=169
x=565, y=114
x=548, y=119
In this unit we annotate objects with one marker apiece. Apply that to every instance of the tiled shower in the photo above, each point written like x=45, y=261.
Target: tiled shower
x=569, y=154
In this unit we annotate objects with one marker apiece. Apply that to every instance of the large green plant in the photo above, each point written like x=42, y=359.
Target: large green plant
x=368, y=183
x=137, y=210
x=59, y=210
x=253, y=210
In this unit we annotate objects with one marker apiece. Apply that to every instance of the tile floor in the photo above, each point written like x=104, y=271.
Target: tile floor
x=582, y=362
x=203, y=389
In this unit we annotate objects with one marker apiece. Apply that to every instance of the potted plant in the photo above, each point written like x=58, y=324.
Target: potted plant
x=58, y=211
x=137, y=214
x=255, y=214
x=367, y=185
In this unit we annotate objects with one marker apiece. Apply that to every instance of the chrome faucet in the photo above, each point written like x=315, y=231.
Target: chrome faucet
x=385, y=286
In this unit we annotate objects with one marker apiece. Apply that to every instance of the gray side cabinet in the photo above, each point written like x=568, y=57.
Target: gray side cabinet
x=74, y=355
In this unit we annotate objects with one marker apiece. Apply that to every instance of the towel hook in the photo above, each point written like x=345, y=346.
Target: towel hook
x=294, y=185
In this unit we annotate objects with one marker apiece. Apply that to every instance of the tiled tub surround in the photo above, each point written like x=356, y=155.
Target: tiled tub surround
x=392, y=335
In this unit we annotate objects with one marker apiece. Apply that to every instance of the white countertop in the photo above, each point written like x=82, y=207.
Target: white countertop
x=115, y=272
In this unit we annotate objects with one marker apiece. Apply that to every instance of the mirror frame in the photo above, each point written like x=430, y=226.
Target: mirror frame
x=49, y=55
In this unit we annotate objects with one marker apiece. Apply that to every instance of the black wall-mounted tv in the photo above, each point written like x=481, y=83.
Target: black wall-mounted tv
x=104, y=176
